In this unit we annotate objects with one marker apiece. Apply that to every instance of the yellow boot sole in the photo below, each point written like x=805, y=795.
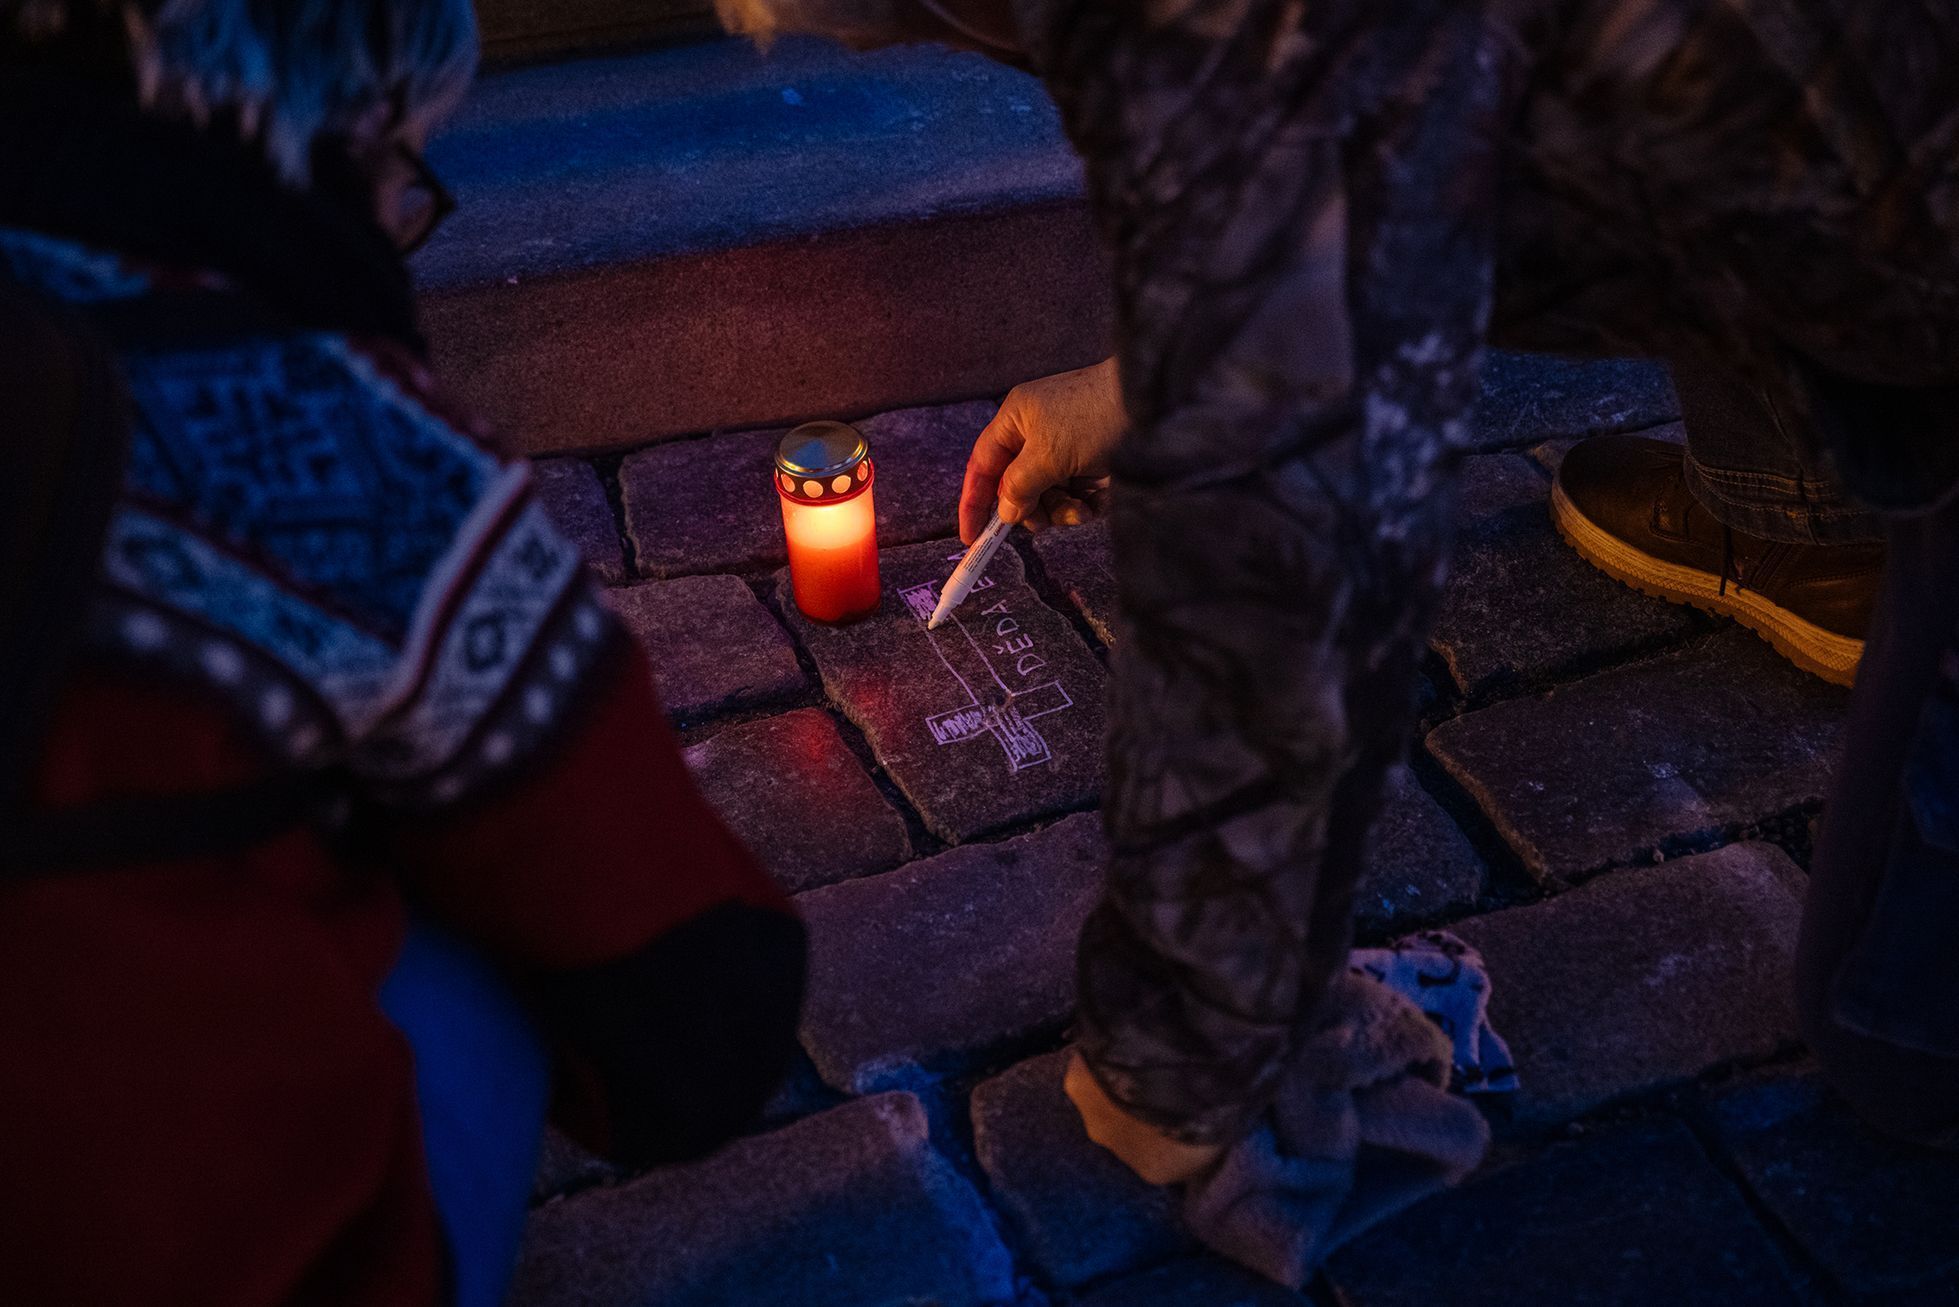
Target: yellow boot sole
x=1817, y=651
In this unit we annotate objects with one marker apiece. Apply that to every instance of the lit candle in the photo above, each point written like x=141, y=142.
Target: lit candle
x=823, y=476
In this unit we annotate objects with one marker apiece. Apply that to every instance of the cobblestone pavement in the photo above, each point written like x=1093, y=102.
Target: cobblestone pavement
x=1609, y=796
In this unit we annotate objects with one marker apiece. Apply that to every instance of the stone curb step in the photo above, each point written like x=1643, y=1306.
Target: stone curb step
x=539, y=29
x=703, y=236
x=676, y=240
x=853, y=1207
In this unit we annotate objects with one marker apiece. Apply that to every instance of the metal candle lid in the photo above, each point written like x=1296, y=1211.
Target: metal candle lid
x=822, y=462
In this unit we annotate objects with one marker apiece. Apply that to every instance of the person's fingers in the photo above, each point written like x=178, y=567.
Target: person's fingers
x=1094, y=499
x=993, y=453
x=1061, y=508
x=1022, y=484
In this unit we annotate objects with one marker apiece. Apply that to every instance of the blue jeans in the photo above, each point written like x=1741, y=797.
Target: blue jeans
x=1877, y=976
x=1750, y=466
x=482, y=1083
x=1877, y=973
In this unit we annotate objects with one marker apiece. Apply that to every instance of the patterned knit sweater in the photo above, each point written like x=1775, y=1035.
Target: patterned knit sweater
x=312, y=568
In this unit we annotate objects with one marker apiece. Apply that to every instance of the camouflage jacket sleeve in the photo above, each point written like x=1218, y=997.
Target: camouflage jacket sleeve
x=1297, y=197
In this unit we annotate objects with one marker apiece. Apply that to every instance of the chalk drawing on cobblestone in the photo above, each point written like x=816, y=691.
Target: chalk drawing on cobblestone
x=992, y=707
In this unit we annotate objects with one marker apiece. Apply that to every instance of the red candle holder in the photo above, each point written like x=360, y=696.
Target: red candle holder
x=823, y=475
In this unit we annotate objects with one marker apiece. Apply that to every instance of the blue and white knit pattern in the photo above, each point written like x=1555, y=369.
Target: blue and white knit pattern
x=367, y=585
x=67, y=271
x=298, y=449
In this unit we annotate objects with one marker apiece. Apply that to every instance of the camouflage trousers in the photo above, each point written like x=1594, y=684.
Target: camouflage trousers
x=1319, y=211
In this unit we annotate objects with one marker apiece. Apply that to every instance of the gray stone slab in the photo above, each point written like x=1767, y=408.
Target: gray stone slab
x=1493, y=484
x=709, y=505
x=704, y=505
x=1080, y=1214
x=1420, y=866
x=948, y=956
x=563, y=166
x=574, y=497
x=1644, y=978
x=849, y=1208
x=1633, y=1215
x=1881, y=1217
x=1521, y=608
x=1550, y=454
x=1079, y=560
x=536, y=29
x=802, y=1093
x=1199, y=1282
x=1681, y=747
x=564, y=1166
x=678, y=239
x=713, y=646
x=854, y=321
x=1530, y=398
x=796, y=795
x=993, y=719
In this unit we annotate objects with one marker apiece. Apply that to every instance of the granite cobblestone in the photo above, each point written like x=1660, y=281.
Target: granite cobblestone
x=993, y=720
x=1636, y=1214
x=947, y=956
x=1081, y=1214
x=1420, y=866
x=1079, y=561
x=1530, y=398
x=713, y=646
x=852, y=1207
x=1881, y=1218
x=1507, y=617
x=709, y=504
x=1645, y=978
x=817, y=818
x=925, y=971
x=575, y=498
x=1672, y=751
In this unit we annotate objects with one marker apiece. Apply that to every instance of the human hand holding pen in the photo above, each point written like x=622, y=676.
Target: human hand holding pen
x=1044, y=458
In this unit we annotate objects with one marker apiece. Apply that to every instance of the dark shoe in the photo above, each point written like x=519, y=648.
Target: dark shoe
x=1623, y=503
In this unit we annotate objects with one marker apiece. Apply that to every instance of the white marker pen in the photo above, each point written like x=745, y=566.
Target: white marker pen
x=961, y=582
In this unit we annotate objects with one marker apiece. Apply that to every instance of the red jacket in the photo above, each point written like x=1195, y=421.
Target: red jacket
x=200, y=1101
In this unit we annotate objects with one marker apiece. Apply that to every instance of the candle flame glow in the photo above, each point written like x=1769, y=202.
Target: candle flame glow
x=833, y=556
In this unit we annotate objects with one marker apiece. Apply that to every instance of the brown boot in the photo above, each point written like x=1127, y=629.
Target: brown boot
x=1623, y=503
